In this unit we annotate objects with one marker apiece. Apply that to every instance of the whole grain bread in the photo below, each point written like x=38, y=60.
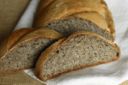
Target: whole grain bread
x=79, y=50
x=59, y=10
x=12, y=40
x=24, y=53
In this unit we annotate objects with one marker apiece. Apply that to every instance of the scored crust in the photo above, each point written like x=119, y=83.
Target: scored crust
x=59, y=9
x=44, y=56
x=42, y=5
x=42, y=32
x=109, y=18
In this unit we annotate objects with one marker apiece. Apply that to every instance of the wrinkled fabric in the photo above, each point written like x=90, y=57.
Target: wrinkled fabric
x=108, y=74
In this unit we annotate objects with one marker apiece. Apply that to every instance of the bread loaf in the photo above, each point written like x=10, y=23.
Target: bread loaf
x=79, y=50
x=24, y=53
x=57, y=16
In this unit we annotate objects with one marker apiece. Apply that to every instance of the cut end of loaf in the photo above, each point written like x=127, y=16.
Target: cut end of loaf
x=75, y=24
x=23, y=55
x=80, y=50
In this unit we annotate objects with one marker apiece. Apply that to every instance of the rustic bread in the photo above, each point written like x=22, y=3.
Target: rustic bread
x=26, y=50
x=12, y=40
x=79, y=50
x=54, y=15
x=59, y=9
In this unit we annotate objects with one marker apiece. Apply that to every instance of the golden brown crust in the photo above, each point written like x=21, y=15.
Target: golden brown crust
x=42, y=5
x=44, y=56
x=12, y=40
x=42, y=32
x=110, y=22
x=109, y=19
x=59, y=9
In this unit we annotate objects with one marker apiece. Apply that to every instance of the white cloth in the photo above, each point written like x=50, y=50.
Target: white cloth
x=107, y=74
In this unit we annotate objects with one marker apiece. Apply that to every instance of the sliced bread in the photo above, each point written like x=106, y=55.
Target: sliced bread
x=12, y=40
x=26, y=50
x=85, y=15
x=59, y=9
x=79, y=50
x=91, y=22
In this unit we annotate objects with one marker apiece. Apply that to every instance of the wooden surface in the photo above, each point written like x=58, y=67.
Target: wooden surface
x=19, y=78
x=124, y=83
x=10, y=12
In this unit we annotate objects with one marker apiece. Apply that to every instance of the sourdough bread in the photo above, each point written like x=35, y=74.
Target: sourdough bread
x=26, y=50
x=79, y=50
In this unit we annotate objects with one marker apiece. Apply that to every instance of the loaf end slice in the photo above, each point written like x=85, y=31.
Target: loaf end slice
x=76, y=24
x=13, y=39
x=80, y=50
x=26, y=51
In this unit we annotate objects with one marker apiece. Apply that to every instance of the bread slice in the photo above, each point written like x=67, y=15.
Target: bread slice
x=12, y=40
x=26, y=50
x=79, y=50
x=90, y=22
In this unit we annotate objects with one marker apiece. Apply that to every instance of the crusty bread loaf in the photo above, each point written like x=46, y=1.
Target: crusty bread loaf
x=79, y=50
x=54, y=15
x=26, y=50
x=59, y=9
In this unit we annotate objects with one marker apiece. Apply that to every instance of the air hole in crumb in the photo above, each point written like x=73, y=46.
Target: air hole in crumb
x=106, y=45
x=95, y=53
x=49, y=23
x=117, y=54
x=17, y=65
x=57, y=51
x=28, y=54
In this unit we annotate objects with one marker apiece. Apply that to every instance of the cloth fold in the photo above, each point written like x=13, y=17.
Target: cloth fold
x=19, y=78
